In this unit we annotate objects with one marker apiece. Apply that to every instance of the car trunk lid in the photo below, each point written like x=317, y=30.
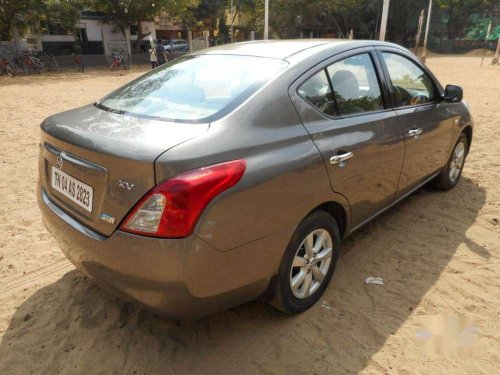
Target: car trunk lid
x=111, y=153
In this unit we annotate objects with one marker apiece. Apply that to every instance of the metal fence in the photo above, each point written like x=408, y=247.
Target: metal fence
x=96, y=61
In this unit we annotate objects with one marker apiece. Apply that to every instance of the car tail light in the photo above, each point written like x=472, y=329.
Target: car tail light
x=172, y=208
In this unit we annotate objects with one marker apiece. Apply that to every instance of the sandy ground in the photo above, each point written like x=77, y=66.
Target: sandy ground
x=438, y=253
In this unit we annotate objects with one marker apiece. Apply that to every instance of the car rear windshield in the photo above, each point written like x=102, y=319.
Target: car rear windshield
x=193, y=88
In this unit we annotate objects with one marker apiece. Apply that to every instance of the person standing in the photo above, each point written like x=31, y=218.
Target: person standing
x=152, y=57
x=160, y=53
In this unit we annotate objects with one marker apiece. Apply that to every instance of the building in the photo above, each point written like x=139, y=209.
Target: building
x=96, y=34
x=93, y=32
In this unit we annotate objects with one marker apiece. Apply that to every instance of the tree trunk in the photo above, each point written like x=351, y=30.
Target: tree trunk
x=140, y=36
x=338, y=26
x=449, y=25
x=5, y=30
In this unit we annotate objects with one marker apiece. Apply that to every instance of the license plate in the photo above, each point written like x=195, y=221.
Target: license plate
x=77, y=191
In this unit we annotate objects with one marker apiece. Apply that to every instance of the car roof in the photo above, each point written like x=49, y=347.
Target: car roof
x=282, y=49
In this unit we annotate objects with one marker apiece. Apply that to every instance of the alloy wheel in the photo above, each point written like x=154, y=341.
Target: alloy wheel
x=457, y=161
x=311, y=263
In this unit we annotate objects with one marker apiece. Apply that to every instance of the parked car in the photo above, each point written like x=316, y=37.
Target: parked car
x=177, y=45
x=233, y=174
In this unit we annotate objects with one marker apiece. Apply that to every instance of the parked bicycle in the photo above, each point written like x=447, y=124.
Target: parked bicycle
x=17, y=64
x=48, y=61
x=27, y=63
x=5, y=67
x=118, y=62
x=78, y=63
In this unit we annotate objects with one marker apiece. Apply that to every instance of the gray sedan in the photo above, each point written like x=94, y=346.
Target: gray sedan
x=232, y=174
x=176, y=45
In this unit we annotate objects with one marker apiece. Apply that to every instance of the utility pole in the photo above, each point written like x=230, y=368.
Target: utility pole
x=383, y=22
x=266, y=19
x=419, y=31
x=426, y=31
x=485, y=40
x=128, y=47
x=232, y=20
x=497, y=53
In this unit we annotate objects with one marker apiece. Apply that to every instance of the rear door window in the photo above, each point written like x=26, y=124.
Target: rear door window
x=355, y=85
x=347, y=87
x=317, y=91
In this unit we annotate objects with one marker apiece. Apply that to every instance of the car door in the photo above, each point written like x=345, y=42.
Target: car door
x=343, y=105
x=416, y=97
x=178, y=45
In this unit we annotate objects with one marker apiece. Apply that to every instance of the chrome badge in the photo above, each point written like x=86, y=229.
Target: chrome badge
x=125, y=185
x=59, y=162
x=107, y=218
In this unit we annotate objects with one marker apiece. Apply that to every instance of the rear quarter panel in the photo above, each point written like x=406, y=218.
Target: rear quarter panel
x=285, y=176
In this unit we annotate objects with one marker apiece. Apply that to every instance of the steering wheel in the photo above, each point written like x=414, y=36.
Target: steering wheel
x=403, y=95
x=419, y=99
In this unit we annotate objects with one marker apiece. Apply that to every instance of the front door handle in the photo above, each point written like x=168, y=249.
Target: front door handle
x=341, y=159
x=415, y=132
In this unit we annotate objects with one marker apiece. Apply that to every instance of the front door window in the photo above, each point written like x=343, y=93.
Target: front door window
x=411, y=84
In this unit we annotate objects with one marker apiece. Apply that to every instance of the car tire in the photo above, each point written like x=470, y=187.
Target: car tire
x=450, y=175
x=290, y=295
x=10, y=71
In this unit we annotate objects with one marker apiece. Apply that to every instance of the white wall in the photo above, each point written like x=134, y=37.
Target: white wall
x=58, y=38
x=94, y=27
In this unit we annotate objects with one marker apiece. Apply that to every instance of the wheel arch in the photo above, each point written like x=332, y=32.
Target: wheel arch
x=468, y=133
x=338, y=212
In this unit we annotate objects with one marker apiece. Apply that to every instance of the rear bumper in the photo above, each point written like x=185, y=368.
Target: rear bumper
x=181, y=278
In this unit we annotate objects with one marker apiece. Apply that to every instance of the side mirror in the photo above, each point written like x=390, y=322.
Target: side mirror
x=453, y=94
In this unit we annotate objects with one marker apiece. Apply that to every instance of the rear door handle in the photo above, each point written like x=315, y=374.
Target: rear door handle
x=341, y=159
x=415, y=132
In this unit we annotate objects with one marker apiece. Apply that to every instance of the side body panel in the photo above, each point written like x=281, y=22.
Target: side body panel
x=427, y=151
x=369, y=180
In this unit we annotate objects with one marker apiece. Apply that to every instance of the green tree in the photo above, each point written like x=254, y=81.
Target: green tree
x=20, y=13
x=129, y=12
x=459, y=14
x=480, y=27
x=14, y=13
x=288, y=18
x=211, y=14
x=207, y=14
x=402, y=23
x=65, y=12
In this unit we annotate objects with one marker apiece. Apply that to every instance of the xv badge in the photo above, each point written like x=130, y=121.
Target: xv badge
x=125, y=185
